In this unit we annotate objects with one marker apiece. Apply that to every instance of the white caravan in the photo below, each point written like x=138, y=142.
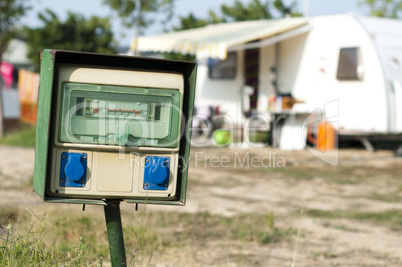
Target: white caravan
x=347, y=66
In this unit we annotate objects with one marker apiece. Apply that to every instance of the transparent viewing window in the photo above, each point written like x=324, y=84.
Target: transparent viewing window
x=350, y=66
x=119, y=115
x=223, y=69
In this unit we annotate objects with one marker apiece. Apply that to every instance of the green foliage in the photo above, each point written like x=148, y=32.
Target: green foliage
x=76, y=33
x=25, y=137
x=255, y=10
x=239, y=12
x=286, y=10
x=126, y=9
x=384, y=8
x=190, y=22
x=11, y=11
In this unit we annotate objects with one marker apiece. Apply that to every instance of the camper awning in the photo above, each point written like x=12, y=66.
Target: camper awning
x=215, y=40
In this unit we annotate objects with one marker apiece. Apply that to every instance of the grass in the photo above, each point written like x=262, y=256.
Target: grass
x=24, y=137
x=29, y=241
x=394, y=196
x=51, y=239
x=341, y=174
x=338, y=175
x=340, y=226
x=390, y=218
x=204, y=226
x=324, y=254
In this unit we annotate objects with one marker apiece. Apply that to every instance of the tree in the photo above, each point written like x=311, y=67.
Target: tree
x=11, y=11
x=255, y=10
x=240, y=12
x=384, y=8
x=190, y=22
x=76, y=33
x=285, y=11
x=133, y=12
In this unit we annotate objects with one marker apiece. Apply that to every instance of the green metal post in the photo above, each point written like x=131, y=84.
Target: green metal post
x=115, y=233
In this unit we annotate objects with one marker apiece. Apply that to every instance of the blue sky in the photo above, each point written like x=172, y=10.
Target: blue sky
x=199, y=7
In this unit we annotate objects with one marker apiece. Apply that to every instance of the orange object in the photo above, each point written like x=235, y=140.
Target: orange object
x=288, y=102
x=29, y=112
x=28, y=88
x=326, y=136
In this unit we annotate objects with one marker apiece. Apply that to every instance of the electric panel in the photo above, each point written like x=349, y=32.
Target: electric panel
x=117, y=128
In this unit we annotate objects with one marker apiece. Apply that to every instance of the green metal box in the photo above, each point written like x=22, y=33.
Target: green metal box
x=113, y=127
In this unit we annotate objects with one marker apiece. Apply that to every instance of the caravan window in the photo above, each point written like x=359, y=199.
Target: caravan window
x=350, y=65
x=223, y=69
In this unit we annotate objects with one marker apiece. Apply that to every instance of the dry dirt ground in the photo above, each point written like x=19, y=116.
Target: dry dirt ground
x=343, y=215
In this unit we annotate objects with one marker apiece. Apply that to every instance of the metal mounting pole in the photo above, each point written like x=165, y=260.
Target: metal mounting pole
x=115, y=233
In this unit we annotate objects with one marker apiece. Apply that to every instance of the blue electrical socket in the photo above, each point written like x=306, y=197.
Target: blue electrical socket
x=73, y=169
x=156, y=173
